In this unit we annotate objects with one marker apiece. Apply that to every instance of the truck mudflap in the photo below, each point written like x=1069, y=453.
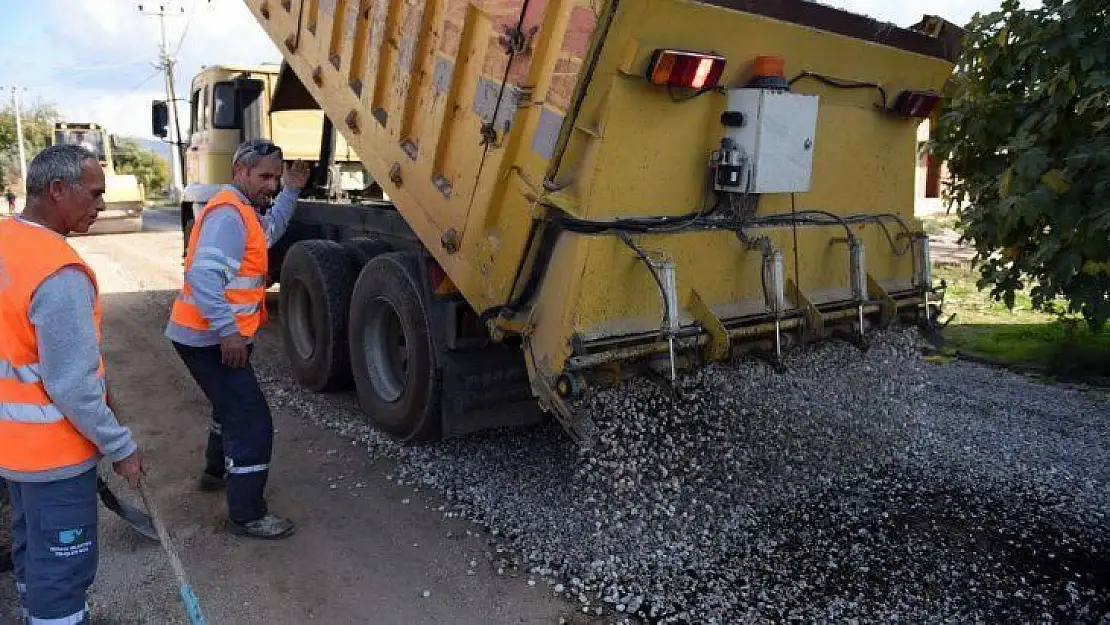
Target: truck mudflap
x=485, y=388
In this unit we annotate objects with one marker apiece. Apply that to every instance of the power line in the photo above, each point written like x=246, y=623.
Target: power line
x=166, y=63
x=185, y=31
x=157, y=70
x=90, y=68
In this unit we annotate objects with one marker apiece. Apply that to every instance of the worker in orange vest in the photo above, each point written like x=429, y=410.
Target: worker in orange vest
x=56, y=418
x=215, y=317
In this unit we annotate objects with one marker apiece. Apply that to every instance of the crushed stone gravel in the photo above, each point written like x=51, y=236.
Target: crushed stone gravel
x=872, y=486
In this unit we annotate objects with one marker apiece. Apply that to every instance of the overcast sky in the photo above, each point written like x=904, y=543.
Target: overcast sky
x=94, y=58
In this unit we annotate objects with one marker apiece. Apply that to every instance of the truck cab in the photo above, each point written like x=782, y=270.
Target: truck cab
x=230, y=104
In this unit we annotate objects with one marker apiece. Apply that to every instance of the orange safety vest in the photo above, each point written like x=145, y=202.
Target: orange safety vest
x=34, y=433
x=246, y=292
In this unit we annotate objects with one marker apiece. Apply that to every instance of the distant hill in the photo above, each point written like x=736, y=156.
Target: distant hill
x=158, y=147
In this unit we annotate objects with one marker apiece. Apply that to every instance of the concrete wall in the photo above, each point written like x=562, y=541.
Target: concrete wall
x=930, y=177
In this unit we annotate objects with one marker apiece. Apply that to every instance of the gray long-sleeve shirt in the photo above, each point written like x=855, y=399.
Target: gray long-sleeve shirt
x=69, y=356
x=221, y=244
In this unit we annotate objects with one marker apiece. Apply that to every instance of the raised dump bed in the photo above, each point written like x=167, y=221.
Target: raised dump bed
x=606, y=183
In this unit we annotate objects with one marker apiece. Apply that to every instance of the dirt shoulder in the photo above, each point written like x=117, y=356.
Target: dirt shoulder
x=367, y=550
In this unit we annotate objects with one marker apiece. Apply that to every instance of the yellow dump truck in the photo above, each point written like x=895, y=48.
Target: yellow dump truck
x=124, y=196
x=232, y=103
x=586, y=189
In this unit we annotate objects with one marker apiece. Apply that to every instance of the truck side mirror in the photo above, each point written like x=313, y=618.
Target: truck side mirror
x=160, y=119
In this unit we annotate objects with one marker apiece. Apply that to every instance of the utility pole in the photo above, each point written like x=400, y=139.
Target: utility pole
x=19, y=135
x=166, y=63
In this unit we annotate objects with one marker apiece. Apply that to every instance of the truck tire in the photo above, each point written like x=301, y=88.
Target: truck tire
x=361, y=250
x=393, y=360
x=314, y=298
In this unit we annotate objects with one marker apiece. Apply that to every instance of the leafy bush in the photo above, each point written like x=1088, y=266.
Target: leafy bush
x=1027, y=139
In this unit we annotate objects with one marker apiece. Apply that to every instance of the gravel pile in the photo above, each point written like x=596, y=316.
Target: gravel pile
x=853, y=486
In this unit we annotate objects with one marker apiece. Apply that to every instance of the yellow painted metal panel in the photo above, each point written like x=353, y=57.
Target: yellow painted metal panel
x=469, y=113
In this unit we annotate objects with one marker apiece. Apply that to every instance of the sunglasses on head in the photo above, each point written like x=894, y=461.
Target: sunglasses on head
x=265, y=149
x=262, y=148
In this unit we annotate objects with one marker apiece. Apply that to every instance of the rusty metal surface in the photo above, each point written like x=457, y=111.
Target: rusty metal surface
x=849, y=24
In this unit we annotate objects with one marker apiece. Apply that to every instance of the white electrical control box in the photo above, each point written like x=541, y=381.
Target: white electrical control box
x=776, y=133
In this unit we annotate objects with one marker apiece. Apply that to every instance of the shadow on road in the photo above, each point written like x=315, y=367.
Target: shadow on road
x=161, y=219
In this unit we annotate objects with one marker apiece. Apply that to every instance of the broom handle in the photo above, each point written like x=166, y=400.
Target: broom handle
x=192, y=606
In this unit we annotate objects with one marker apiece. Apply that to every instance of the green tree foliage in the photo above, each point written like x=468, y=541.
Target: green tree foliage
x=38, y=127
x=131, y=158
x=1027, y=140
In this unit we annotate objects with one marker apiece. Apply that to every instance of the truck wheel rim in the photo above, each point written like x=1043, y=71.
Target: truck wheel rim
x=387, y=350
x=300, y=321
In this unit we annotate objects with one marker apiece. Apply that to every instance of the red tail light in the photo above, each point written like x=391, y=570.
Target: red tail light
x=686, y=69
x=436, y=274
x=440, y=282
x=915, y=103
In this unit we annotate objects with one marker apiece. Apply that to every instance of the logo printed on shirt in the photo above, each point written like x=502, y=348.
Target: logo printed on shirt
x=68, y=537
x=72, y=543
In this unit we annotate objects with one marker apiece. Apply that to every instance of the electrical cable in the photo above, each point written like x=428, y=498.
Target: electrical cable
x=691, y=96
x=702, y=219
x=539, y=266
x=880, y=219
x=647, y=262
x=764, y=243
x=797, y=272
x=92, y=68
x=806, y=217
x=143, y=82
x=185, y=31
x=840, y=83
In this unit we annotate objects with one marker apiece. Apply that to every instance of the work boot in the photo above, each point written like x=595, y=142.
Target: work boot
x=210, y=483
x=269, y=527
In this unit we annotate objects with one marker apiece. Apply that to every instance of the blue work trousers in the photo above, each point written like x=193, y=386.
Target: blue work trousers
x=241, y=435
x=54, y=547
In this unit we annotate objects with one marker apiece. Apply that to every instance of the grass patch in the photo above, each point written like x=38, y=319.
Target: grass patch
x=984, y=328
x=937, y=224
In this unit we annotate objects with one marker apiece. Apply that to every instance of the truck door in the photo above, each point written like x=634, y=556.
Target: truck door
x=192, y=154
x=223, y=131
x=249, y=98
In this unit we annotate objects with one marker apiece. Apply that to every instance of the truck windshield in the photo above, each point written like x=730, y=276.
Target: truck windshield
x=91, y=140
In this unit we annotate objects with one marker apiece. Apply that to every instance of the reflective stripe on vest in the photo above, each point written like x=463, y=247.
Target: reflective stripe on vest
x=36, y=434
x=246, y=289
x=23, y=373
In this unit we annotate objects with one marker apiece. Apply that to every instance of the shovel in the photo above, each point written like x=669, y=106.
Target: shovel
x=137, y=519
